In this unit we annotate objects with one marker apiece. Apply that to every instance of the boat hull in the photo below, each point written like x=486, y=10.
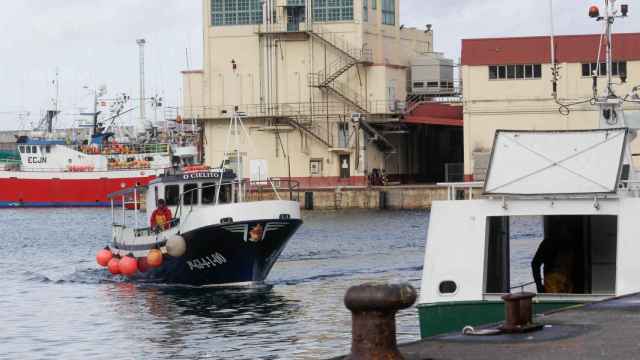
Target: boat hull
x=447, y=317
x=66, y=189
x=226, y=254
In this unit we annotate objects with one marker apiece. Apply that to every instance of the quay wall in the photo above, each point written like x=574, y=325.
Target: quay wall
x=389, y=197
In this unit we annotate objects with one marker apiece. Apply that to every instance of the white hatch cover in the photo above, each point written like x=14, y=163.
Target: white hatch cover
x=555, y=162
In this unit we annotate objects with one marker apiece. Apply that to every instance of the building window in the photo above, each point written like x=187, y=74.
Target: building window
x=432, y=84
x=515, y=72
x=374, y=4
x=236, y=12
x=315, y=167
x=418, y=84
x=617, y=68
x=389, y=12
x=333, y=10
x=365, y=10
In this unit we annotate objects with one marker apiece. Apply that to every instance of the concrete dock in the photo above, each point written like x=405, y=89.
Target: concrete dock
x=604, y=330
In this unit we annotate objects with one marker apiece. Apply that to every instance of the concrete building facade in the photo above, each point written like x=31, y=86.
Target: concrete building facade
x=313, y=81
x=508, y=85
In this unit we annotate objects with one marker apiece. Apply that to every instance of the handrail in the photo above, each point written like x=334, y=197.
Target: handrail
x=469, y=186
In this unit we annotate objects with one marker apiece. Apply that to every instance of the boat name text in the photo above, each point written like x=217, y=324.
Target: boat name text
x=36, y=160
x=203, y=175
x=207, y=262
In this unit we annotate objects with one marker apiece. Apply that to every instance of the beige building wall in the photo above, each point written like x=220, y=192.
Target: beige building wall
x=266, y=73
x=527, y=104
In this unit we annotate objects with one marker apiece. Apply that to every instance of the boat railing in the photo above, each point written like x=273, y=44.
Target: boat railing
x=122, y=149
x=243, y=191
x=466, y=188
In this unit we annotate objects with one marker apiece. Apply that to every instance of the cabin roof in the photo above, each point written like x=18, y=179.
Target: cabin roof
x=191, y=176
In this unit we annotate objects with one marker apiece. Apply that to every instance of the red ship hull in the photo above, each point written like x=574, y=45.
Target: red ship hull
x=23, y=189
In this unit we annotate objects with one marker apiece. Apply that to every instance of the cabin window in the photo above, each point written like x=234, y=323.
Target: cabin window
x=208, y=193
x=225, y=194
x=48, y=149
x=572, y=254
x=190, y=196
x=148, y=158
x=28, y=149
x=21, y=149
x=172, y=194
x=34, y=149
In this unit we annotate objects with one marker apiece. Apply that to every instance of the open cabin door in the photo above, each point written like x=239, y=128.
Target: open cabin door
x=497, y=262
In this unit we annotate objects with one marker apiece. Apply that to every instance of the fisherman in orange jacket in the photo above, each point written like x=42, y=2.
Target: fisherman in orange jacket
x=161, y=216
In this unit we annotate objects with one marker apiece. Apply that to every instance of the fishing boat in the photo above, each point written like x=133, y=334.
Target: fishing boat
x=224, y=230
x=51, y=170
x=581, y=187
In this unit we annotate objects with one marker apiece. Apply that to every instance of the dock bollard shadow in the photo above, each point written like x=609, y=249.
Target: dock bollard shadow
x=373, y=308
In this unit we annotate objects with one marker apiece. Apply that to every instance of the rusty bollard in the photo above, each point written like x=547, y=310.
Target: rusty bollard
x=518, y=309
x=373, y=308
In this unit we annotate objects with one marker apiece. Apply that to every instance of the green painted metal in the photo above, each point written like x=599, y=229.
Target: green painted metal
x=8, y=156
x=441, y=318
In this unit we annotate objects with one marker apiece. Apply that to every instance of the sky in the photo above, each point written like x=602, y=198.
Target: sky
x=92, y=43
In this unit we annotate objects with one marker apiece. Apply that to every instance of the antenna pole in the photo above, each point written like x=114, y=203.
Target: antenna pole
x=609, y=18
x=553, y=53
x=141, y=43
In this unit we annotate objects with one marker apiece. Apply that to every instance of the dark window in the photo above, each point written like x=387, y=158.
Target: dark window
x=528, y=71
x=236, y=12
x=502, y=72
x=190, y=194
x=603, y=69
x=21, y=149
x=447, y=287
x=537, y=71
x=148, y=158
x=511, y=71
x=172, y=194
x=208, y=193
x=388, y=12
x=418, y=84
x=586, y=70
x=493, y=72
x=333, y=10
x=48, y=149
x=34, y=149
x=432, y=84
x=622, y=68
x=28, y=149
x=225, y=194
x=519, y=71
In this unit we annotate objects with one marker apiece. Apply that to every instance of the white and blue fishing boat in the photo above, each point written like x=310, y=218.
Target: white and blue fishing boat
x=224, y=230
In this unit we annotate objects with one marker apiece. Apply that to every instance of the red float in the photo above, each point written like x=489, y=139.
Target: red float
x=128, y=265
x=143, y=265
x=154, y=258
x=114, y=266
x=104, y=256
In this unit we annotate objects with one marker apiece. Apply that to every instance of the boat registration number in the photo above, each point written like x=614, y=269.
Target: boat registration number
x=207, y=262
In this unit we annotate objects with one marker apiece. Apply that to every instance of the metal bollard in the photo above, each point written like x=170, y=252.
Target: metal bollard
x=373, y=308
x=519, y=313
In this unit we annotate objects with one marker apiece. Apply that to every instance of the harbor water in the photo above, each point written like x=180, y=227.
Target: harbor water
x=56, y=303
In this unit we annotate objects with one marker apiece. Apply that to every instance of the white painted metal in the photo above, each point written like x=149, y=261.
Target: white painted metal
x=457, y=241
x=555, y=162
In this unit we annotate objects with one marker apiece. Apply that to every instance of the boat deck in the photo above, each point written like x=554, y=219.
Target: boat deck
x=601, y=330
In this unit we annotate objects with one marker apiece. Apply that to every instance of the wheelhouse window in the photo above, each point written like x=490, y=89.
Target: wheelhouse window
x=172, y=194
x=225, y=194
x=515, y=72
x=551, y=254
x=236, y=12
x=208, y=193
x=190, y=194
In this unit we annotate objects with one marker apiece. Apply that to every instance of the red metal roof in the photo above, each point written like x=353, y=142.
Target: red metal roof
x=431, y=113
x=537, y=49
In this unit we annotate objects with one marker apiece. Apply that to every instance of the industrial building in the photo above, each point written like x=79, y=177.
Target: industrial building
x=322, y=87
x=508, y=85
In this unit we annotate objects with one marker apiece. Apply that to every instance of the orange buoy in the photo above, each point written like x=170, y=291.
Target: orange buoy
x=114, y=266
x=104, y=256
x=128, y=265
x=143, y=265
x=154, y=258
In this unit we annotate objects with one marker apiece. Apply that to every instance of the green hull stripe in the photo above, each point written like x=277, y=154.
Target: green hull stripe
x=441, y=318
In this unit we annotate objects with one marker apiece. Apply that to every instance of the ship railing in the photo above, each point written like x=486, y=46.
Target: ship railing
x=122, y=149
x=127, y=199
x=466, y=189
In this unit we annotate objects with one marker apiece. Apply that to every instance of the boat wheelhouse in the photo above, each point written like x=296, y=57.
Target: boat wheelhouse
x=562, y=187
x=231, y=230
